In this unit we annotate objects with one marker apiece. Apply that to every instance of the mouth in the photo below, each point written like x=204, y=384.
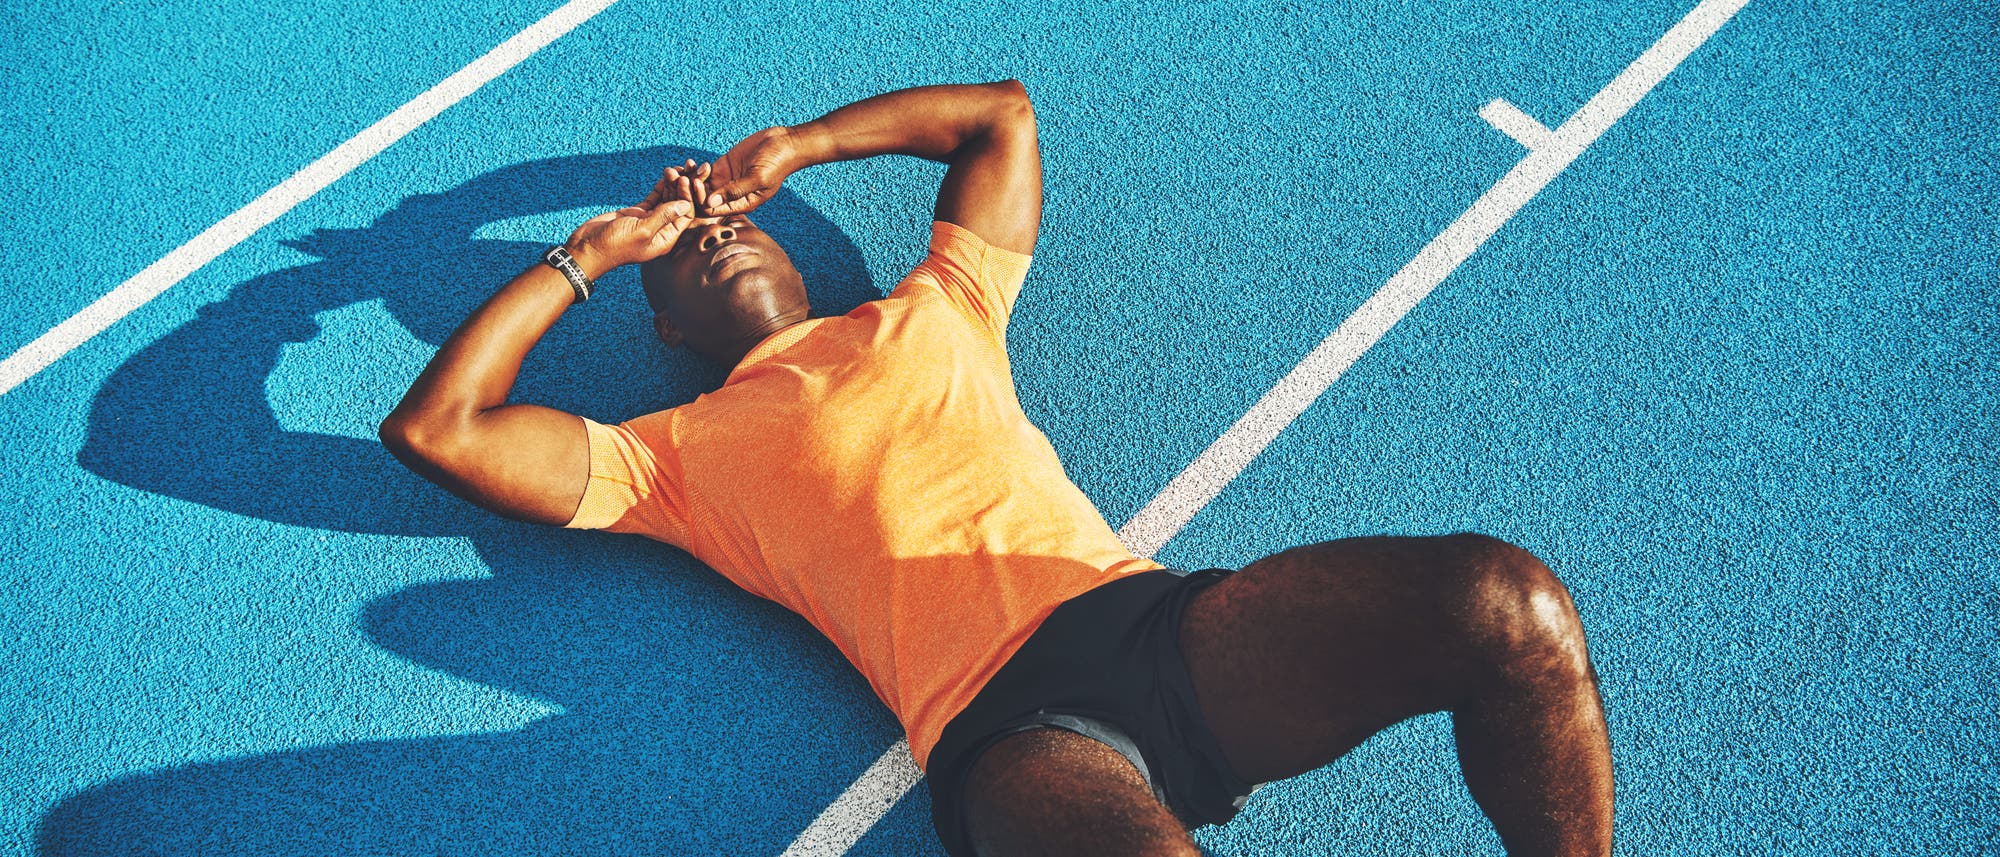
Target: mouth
x=731, y=256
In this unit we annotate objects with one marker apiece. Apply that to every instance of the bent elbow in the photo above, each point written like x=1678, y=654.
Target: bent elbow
x=415, y=441
x=1014, y=107
x=1012, y=88
x=400, y=435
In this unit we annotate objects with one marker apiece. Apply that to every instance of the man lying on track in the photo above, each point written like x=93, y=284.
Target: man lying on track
x=875, y=473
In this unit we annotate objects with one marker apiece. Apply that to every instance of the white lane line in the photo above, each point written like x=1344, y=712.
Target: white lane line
x=1219, y=464
x=858, y=808
x=1509, y=120
x=231, y=230
x=833, y=834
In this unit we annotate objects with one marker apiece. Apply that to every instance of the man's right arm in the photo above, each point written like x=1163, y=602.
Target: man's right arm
x=984, y=133
x=455, y=426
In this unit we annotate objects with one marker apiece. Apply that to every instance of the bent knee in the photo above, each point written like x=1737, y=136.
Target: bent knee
x=1510, y=605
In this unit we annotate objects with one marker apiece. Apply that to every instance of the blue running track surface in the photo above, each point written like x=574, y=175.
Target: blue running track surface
x=1732, y=374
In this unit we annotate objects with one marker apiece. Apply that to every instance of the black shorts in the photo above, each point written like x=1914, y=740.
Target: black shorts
x=1107, y=665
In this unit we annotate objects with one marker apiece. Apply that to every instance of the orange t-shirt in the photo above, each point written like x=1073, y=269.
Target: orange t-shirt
x=875, y=474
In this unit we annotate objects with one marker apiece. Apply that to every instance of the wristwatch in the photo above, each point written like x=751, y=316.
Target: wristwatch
x=559, y=258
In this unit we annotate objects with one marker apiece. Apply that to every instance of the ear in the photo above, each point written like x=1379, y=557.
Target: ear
x=668, y=333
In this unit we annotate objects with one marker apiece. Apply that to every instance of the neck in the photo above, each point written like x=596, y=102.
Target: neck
x=767, y=329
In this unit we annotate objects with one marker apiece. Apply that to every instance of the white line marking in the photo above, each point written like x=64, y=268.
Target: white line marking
x=231, y=230
x=1510, y=121
x=858, y=808
x=1217, y=466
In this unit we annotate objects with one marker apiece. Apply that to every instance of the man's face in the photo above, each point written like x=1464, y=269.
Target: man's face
x=724, y=287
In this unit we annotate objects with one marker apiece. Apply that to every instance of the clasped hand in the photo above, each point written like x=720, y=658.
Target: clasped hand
x=746, y=176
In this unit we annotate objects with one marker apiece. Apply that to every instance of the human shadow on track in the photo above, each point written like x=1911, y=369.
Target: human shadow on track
x=695, y=717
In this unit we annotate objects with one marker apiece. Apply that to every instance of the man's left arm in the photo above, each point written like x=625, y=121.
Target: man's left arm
x=455, y=428
x=985, y=134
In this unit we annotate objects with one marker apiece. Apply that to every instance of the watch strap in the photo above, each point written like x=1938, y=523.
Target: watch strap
x=558, y=257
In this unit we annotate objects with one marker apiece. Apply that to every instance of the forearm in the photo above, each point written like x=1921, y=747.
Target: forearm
x=475, y=369
x=931, y=122
x=455, y=428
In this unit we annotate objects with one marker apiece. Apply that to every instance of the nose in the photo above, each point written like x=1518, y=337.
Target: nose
x=716, y=235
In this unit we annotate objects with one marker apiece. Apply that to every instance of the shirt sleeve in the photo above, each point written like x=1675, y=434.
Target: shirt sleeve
x=632, y=489
x=981, y=279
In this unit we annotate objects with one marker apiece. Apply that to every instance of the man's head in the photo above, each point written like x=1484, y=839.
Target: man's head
x=724, y=287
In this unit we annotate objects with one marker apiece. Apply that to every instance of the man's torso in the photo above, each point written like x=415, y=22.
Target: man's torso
x=875, y=473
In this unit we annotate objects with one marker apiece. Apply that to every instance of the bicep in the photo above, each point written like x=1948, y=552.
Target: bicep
x=993, y=186
x=525, y=462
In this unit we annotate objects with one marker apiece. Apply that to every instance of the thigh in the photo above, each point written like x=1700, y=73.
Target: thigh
x=1301, y=656
x=1054, y=792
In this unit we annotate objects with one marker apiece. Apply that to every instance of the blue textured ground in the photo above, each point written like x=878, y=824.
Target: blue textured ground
x=1732, y=375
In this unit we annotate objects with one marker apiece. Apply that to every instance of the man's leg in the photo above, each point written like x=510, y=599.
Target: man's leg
x=1054, y=792
x=1303, y=655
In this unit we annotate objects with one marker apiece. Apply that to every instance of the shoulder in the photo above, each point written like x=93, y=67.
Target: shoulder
x=980, y=279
